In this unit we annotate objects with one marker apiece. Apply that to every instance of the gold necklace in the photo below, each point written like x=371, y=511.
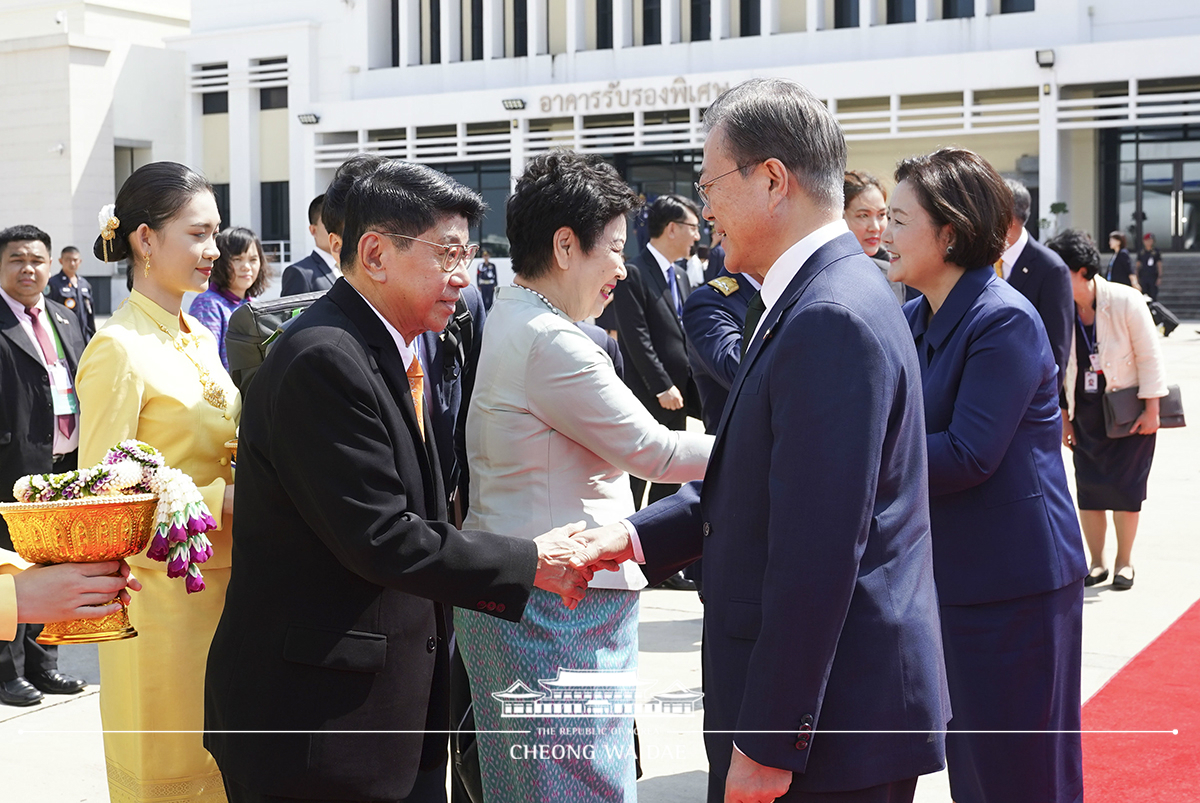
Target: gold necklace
x=214, y=394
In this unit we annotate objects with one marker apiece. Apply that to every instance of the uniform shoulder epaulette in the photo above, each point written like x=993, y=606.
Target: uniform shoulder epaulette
x=725, y=285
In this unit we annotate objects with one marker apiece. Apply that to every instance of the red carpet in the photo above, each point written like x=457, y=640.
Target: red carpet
x=1158, y=690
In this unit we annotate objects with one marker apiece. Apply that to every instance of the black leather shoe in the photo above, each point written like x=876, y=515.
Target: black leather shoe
x=1098, y=574
x=1123, y=579
x=57, y=683
x=677, y=582
x=19, y=692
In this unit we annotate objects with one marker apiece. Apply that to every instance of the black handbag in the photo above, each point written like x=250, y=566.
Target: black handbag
x=1122, y=407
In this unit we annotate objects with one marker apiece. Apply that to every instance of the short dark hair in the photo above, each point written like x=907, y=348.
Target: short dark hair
x=667, y=209
x=153, y=194
x=774, y=118
x=314, y=209
x=70, y=249
x=562, y=188
x=23, y=234
x=855, y=183
x=1022, y=200
x=403, y=198
x=958, y=188
x=235, y=241
x=1078, y=250
x=333, y=210
x=1120, y=237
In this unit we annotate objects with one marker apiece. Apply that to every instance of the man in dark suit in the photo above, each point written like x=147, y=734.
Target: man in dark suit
x=343, y=559
x=319, y=270
x=823, y=665
x=40, y=344
x=649, y=311
x=713, y=318
x=1041, y=276
x=716, y=259
x=73, y=291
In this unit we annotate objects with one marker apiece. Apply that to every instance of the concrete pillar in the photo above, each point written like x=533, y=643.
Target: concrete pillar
x=536, y=23
x=718, y=28
x=814, y=15
x=245, y=191
x=576, y=25
x=410, y=32
x=622, y=20
x=669, y=21
x=866, y=13
x=1048, y=147
x=769, y=15
x=451, y=33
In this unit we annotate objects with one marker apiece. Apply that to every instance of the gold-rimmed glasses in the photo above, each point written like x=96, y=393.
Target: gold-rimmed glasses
x=454, y=255
x=702, y=189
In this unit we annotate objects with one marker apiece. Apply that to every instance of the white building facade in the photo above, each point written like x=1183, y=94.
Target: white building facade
x=89, y=93
x=1095, y=104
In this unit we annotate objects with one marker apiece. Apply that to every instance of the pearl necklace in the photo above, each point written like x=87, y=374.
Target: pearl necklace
x=545, y=300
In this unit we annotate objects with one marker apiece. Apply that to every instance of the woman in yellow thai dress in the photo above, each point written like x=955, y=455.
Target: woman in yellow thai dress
x=153, y=373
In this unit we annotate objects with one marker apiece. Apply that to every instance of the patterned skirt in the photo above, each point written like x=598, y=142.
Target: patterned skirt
x=553, y=698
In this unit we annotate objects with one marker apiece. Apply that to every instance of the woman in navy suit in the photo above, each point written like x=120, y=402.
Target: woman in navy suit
x=1007, y=552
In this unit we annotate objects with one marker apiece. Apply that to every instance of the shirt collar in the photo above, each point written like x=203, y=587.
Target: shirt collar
x=18, y=308
x=792, y=260
x=329, y=260
x=406, y=350
x=159, y=315
x=1009, y=257
x=229, y=296
x=663, y=262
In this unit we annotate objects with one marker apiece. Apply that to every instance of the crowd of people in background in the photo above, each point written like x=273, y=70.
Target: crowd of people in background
x=895, y=370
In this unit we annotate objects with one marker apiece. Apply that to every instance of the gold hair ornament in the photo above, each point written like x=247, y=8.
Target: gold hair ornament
x=108, y=226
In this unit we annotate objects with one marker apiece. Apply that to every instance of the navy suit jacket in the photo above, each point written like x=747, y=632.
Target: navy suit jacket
x=1042, y=277
x=813, y=519
x=307, y=276
x=1004, y=525
x=716, y=263
x=451, y=370
x=602, y=339
x=713, y=324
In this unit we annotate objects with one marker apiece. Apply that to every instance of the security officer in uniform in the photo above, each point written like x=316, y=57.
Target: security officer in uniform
x=485, y=279
x=71, y=290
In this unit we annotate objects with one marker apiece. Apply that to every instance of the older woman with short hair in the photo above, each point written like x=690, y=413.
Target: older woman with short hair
x=1007, y=555
x=551, y=433
x=1113, y=328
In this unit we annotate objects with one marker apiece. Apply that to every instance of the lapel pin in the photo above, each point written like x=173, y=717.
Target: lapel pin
x=61, y=319
x=1024, y=270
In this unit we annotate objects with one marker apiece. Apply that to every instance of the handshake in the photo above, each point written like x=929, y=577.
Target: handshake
x=569, y=556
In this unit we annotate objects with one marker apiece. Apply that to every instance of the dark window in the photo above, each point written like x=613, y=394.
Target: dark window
x=435, y=32
x=489, y=179
x=651, y=22
x=216, y=102
x=604, y=23
x=520, y=28
x=275, y=225
x=395, y=33
x=1013, y=6
x=701, y=20
x=274, y=97
x=955, y=9
x=901, y=11
x=751, y=17
x=221, y=191
x=845, y=13
x=476, y=30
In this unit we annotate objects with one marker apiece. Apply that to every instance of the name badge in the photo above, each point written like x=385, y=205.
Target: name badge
x=1095, y=360
x=62, y=392
x=1091, y=382
x=1150, y=262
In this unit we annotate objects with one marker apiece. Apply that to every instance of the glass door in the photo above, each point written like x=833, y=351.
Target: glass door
x=1188, y=205
x=1169, y=204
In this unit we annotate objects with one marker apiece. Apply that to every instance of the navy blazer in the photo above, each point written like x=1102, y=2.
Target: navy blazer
x=651, y=335
x=307, y=276
x=1042, y=277
x=1004, y=525
x=713, y=323
x=451, y=370
x=813, y=519
x=716, y=263
x=602, y=339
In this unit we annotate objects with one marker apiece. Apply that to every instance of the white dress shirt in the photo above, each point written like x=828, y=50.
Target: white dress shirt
x=407, y=352
x=331, y=261
x=62, y=443
x=1010, y=255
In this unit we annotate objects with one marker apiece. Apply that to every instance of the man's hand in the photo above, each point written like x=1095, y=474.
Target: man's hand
x=671, y=398
x=70, y=590
x=557, y=569
x=751, y=782
x=603, y=547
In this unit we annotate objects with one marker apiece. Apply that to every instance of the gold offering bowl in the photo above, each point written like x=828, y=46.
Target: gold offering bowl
x=85, y=530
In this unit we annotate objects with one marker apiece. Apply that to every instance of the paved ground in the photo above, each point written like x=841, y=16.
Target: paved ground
x=53, y=753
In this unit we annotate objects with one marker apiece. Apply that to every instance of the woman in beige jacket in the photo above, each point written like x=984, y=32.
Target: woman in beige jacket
x=1115, y=346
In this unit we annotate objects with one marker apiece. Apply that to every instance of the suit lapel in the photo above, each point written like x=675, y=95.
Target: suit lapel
x=12, y=329
x=658, y=281
x=64, y=323
x=1020, y=271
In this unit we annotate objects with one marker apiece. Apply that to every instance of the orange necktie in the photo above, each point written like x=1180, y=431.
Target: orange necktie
x=1000, y=268
x=416, y=386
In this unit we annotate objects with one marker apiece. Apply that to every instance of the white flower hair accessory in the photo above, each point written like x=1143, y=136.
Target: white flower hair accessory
x=108, y=225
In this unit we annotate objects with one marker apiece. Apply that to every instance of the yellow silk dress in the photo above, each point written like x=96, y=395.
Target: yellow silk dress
x=133, y=382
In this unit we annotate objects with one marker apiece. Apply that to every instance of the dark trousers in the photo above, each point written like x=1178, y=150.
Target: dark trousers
x=24, y=656
x=895, y=792
x=1014, y=665
x=430, y=787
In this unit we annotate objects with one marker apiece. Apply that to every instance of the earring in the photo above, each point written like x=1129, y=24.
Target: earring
x=146, y=269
